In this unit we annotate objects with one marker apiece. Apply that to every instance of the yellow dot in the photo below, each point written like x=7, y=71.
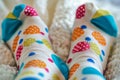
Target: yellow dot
x=55, y=77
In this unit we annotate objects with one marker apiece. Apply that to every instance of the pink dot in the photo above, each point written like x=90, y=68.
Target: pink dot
x=46, y=69
x=18, y=67
x=69, y=60
x=50, y=60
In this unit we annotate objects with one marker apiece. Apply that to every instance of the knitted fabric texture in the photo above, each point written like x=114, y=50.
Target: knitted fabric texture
x=5, y=55
x=112, y=71
x=7, y=72
x=61, y=27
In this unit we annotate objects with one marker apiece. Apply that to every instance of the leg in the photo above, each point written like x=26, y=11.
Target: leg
x=91, y=43
x=29, y=42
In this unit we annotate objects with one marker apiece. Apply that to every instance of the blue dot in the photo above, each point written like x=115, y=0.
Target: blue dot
x=83, y=27
x=21, y=40
x=92, y=71
x=31, y=54
x=46, y=29
x=101, y=58
x=41, y=74
x=103, y=53
x=84, y=78
x=19, y=32
x=21, y=67
x=29, y=78
x=90, y=60
x=88, y=39
x=40, y=42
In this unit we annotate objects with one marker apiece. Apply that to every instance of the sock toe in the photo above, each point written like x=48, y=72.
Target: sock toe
x=18, y=9
x=14, y=19
x=101, y=19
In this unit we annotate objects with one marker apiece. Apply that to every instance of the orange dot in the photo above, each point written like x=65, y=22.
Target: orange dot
x=35, y=63
x=99, y=38
x=73, y=69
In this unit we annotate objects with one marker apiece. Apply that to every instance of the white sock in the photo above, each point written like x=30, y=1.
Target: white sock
x=27, y=36
x=91, y=42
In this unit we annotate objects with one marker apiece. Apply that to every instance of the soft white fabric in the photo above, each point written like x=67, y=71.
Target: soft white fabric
x=7, y=72
x=60, y=27
x=5, y=55
x=113, y=66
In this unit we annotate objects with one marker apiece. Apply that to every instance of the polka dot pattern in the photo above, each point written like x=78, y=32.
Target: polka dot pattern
x=29, y=11
x=69, y=60
x=15, y=42
x=33, y=29
x=20, y=68
x=30, y=78
x=81, y=46
x=99, y=38
x=83, y=27
x=95, y=48
x=73, y=69
x=35, y=63
x=80, y=12
x=75, y=78
x=29, y=41
x=21, y=40
x=50, y=60
x=41, y=74
x=90, y=60
x=19, y=51
x=19, y=32
x=25, y=73
x=103, y=53
x=46, y=43
x=88, y=39
x=47, y=70
x=31, y=53
x=77, y=33
x=46, y=29
x=55, y=77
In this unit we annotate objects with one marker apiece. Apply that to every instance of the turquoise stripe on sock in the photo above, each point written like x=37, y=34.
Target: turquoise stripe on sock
x=30, y=78
x=61, y=65
x=92, y=71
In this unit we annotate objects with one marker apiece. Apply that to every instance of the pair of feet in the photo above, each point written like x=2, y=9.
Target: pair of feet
x=27, y=36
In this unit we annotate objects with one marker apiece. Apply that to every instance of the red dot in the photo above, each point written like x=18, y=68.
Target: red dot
x=69, y=60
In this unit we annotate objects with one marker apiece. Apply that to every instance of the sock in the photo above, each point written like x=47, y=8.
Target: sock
x=112, y=70
x=93, y=34
x=27, y=36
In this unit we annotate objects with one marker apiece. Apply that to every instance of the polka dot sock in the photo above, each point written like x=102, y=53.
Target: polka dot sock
x=91, y=43
x=27, y=36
